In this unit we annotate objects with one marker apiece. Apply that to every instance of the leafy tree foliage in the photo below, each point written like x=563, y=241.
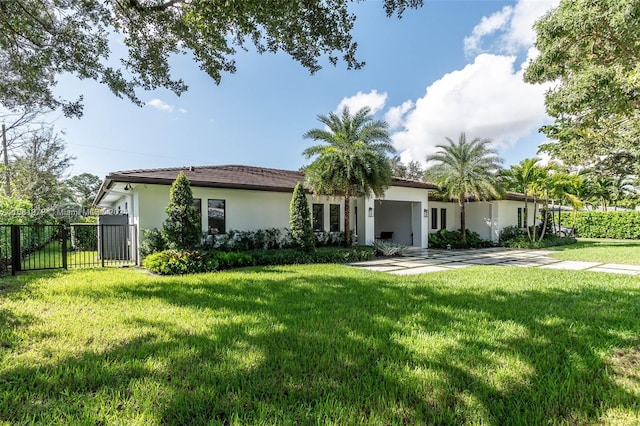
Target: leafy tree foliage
x=41, y=39
x=590, y=48
x=466, y=169
x=300, y=220
x=38, y=170
x=182, y=229
x=83, y=188
x=413, y=170
x=351, y=160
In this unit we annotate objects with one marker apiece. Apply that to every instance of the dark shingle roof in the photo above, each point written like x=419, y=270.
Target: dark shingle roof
x=228, y=176
x=232, y=176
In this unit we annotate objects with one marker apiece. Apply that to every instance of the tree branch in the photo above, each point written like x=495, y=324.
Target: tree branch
x=162, y=6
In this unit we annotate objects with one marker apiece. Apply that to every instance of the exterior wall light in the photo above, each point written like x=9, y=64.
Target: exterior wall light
x=370, y=211
x=425, y=213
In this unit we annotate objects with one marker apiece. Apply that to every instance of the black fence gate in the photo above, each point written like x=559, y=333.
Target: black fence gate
x=37, y=247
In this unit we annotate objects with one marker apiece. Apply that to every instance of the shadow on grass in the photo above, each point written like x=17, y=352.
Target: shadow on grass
x=282, y=347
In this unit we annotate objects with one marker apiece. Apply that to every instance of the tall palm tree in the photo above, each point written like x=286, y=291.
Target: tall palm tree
x=522, y=177
x=466, y=169
x=351, y=160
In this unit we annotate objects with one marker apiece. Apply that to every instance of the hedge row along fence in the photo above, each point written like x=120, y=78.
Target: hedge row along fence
x=612, y=224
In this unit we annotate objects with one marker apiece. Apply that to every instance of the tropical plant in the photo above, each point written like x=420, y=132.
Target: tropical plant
x=521, y=178
x=350, y=161
x=182, y=229
x=466, y=169
x=300, y=219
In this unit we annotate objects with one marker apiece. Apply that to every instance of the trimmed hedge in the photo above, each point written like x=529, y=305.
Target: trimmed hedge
x=611, y=224
x=453, y=239
x=174, y=262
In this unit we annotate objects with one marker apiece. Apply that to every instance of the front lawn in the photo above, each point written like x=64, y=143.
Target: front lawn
x=320, y=344
x=600, y=250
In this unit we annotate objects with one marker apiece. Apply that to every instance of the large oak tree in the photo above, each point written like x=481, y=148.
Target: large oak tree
x=590, y=50
x=42, y=39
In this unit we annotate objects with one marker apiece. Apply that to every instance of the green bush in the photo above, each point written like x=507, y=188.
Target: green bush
x=320, y=255
x=178, y=262
x=300, y=220
x=523, y=241
x=509, y=233
x=609, y=224
x=153, y=241
x=232, y=259
x=84, y=236
x=182, y=228
x=385, y=248
x=453, y=239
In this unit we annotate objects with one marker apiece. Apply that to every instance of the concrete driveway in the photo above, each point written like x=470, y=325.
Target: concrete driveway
x=419, y=261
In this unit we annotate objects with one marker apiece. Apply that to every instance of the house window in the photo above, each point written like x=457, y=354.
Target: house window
x=520, y=217
x=443, y=218
x=434, y=218
x=334, y=217
x=216, y=216
x=317, y=210
x=197, y=203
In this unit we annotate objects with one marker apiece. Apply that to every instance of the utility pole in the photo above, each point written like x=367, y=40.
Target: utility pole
x=6, y=161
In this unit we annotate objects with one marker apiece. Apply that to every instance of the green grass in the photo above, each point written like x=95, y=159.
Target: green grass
x=320, y=344
x=600, y=250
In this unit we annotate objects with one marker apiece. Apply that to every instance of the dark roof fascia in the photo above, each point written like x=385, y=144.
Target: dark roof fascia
x=413, y=184
x=196, y=183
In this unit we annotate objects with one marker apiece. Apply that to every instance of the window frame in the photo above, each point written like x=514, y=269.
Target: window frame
x=224, y=216
x=317, y=220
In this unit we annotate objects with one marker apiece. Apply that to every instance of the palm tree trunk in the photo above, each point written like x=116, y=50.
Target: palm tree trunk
x=526, y=214
x=347, y=219
x=532, y=237
x=463, y=224
x=545, y=219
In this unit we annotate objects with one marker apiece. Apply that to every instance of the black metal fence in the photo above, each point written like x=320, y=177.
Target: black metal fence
x=36, y=247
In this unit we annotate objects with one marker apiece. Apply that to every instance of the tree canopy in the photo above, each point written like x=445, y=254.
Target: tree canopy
x=590, y=50
x=42, y=39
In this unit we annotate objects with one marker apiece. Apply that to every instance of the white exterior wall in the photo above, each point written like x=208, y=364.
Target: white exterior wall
x=453, y=215
x=508, y=213
x=478, y=217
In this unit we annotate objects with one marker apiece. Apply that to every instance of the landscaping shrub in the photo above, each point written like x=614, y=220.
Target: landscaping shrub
x=153, y=242
x=177, y=262
x=232, y=259
x=609, y=224
x=453, y=239
x=509, y=233
x=320, y=255
x=385, y=248
x=523, y=241
x=329, y=239
x=234, y=240
x=182, y=229
x=300, y=220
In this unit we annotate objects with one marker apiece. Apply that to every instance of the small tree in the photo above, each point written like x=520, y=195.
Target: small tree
x=300, y=219
x=182, y=228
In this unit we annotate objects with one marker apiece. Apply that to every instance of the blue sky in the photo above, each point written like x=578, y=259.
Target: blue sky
x=448, y=67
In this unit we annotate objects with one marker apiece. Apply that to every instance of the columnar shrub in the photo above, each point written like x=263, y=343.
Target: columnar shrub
x=182, y=228
x=300, y=220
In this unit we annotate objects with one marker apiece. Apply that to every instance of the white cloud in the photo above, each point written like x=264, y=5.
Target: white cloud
x=183, y=110
x=487, y=26
x=373, y=100
x=512, y=27
x=395, y=115
x=486, y=99
x=160, y=105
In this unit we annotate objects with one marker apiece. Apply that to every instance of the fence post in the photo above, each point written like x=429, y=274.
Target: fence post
x=15, y=249
x=101, y=238
x=64, y=246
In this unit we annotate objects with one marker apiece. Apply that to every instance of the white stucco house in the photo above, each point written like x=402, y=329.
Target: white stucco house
x=251, y=198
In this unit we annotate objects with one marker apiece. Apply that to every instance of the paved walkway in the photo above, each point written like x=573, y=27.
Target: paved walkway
x=419, y=261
